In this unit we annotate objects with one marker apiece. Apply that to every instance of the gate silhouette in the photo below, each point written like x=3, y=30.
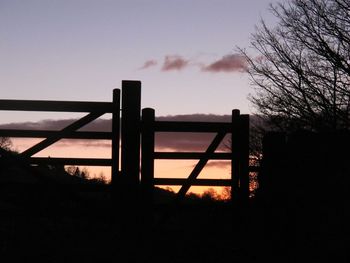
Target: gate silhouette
x=135, y=134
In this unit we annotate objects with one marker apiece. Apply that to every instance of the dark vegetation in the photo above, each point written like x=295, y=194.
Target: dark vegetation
x=298, y=214
x=50, y=215
x=304, y=184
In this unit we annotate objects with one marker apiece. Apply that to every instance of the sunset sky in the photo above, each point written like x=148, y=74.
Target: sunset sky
x=184, y=53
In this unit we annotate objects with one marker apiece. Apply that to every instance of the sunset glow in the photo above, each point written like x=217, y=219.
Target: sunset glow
x=101, y=149
x=189, y=67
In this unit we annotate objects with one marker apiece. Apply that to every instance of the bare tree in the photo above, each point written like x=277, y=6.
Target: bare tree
x=302, y=72
x=5, y=143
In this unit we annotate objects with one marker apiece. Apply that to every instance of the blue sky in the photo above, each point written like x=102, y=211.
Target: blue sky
x=82, y=49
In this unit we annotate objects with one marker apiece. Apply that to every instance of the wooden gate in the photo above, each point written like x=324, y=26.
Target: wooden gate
x=239, y=155
x=94, y=110
x=128, y=130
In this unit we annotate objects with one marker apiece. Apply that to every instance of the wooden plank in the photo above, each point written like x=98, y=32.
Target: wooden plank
x=181, y=126
x=200, y=165
x=55, y=106
x=70, y=161
x=196, y=182
x=69, y=129
x=49, y=133
x=191, y=156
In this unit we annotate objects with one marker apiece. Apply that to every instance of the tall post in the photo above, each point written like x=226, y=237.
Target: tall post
x=244, y=158
x=235, y=171
x=147, y=161
x=115, y=141
x=130, y=133
x=130, y=157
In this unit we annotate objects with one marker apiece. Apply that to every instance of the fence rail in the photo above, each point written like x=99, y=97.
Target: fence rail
x=71, y=161
x=197, y=182
x=182, y=126
x=56, y=106
x=191, y=155
x=15, y=133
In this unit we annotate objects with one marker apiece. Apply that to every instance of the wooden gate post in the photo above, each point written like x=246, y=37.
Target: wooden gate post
x=115, y=142
x=235, y=171
x=244, y=158
x=147, y=161
x=240, y=157
x=130, y=133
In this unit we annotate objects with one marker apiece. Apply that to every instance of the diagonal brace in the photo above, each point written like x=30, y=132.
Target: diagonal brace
x=67, y=130
x=200, y=165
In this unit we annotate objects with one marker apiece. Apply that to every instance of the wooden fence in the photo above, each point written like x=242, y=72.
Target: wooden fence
x=239, y=155
x=128, y=130
x=94, y=110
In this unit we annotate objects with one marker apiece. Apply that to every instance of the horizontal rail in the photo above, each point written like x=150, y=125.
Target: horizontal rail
x=70, y=161
x=57, y=106
x=181, y=126
x=191, y=155
x=197, y=182
x=45, y=133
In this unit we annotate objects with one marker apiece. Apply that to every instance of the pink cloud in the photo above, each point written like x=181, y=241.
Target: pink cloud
x=149, y=63
x=228, y=63
x=174, y=62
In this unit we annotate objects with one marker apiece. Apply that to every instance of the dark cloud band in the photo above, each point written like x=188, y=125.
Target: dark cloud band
x=164, y=141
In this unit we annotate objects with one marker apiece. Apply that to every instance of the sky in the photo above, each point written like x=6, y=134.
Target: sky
x=83, y=49
x=183, y=51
